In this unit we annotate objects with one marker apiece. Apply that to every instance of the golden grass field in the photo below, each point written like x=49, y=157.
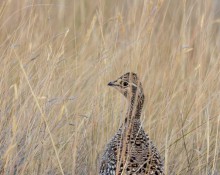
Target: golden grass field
x=57, y=112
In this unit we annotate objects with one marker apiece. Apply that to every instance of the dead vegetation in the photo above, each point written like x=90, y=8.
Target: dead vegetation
x=56, y=111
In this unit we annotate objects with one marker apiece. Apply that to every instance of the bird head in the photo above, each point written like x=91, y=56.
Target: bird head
x=128, y=85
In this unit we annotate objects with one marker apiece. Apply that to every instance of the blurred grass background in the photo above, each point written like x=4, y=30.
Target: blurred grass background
x=56, y=111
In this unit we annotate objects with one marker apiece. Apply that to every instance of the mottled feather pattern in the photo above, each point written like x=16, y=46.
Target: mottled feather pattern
x=131, y=151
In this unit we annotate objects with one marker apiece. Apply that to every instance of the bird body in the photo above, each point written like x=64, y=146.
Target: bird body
x=130, y=151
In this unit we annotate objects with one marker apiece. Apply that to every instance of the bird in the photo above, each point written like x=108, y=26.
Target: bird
x=131, y=151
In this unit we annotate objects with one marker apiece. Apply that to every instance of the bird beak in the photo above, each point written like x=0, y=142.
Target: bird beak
x=111, y=84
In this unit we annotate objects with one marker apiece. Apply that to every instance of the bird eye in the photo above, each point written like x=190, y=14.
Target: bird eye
x=125, y=83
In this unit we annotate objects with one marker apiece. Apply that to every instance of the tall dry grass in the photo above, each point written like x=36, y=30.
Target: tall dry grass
x=56, y=111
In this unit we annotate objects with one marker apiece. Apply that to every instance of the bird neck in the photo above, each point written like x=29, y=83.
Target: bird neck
x=135, y=107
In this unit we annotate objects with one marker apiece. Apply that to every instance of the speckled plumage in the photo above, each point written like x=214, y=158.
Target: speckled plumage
x=130, y=151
